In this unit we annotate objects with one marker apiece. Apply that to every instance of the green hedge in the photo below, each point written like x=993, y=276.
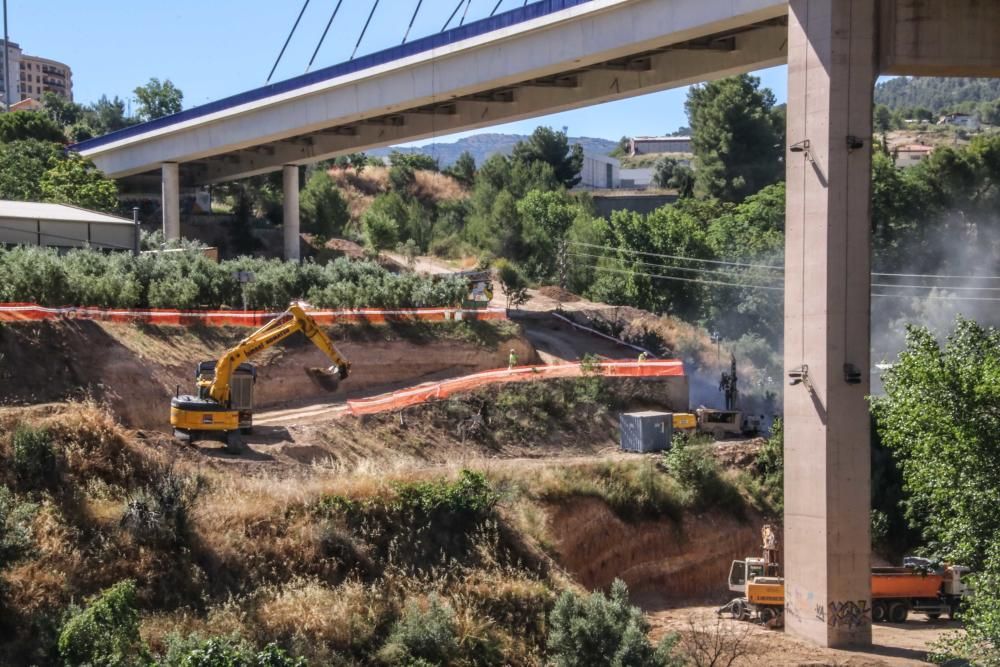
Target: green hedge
x=190, y=280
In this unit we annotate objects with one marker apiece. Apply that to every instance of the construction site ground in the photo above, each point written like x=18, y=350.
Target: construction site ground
x=678, y=582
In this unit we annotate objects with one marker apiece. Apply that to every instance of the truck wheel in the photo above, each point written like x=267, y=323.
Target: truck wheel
x=879, y=612
x=738, y=610
x=769, y=617
x=898, y=612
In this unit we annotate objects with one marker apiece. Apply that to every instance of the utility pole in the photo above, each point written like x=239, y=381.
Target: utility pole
x=6, y=69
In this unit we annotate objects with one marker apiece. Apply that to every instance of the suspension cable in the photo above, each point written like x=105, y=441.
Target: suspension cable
x=414, y=18
x=278, y=60
x=325, y=30
x=365, y=29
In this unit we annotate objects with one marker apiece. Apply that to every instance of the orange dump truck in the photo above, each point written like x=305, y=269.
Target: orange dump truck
x=896, y=591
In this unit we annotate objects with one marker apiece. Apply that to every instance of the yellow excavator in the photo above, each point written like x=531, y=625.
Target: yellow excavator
x=223, y=407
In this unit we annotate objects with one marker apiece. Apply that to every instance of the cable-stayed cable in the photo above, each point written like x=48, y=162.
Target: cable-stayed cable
x=365, y=29
x=450, y=18
x=289, y=39
x=412, y=19
x=325, y=30
x=499, y=2
x=465, y=13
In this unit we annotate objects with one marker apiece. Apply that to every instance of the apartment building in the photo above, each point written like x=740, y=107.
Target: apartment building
x=32, y=76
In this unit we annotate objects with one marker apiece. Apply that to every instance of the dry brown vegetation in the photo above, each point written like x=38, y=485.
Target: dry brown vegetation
x=360, y=189
x=322, y=560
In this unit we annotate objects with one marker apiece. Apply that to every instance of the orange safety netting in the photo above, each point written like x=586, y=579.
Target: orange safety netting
x=437, y=390
x=31, y=312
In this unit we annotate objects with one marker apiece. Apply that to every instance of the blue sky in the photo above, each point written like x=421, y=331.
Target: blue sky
x=214, y=48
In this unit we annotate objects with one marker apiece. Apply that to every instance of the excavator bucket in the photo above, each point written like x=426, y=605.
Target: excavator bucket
x=326, y=378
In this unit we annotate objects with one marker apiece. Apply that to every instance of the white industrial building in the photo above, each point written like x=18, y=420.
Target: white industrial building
x=637, y=179
x=600, y=172
x=63, y=226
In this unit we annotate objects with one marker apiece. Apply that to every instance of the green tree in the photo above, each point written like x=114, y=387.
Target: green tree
x=107, y=115
x=599, y=630
x=415, y=161
x=106, y=632
x=546, y=216
x=75, y=180
x=380, y=230
x=940, y=416
x=552, y=147
x=324, y=209
x=22, y=125
x=515, y=286
x=883, y=118
x=22, y=165
x=157, y=99
x=735, y=137
x=464, y=169
x=62, y=111
x=671, y=173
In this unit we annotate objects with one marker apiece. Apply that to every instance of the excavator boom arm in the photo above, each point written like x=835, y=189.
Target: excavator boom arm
x=270, y=334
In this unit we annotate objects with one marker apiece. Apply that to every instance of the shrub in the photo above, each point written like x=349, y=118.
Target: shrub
x=190, y=280
x=380, y=230
x=691, y=463
x=226, y=652
x=160, y=513
x=106, y=632
x=423, y=636
x=599, y=630
x=34, y=459
x=15, y=527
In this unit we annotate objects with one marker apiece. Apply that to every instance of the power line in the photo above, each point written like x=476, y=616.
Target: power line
x=944, y=287
x=365, y=29
x=296, y=25
x=935, y=275
x=654, y=265
x=929, y=276
x=325, y=30
x=679, y=257
x=928, y=297
x=687, y=280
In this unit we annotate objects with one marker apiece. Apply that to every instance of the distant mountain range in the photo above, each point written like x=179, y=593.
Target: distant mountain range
x=481, y=146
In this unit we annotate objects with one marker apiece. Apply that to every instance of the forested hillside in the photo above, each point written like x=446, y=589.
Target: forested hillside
x=935, y=94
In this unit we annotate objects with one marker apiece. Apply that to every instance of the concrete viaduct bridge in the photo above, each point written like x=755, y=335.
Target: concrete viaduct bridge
x=555, y=55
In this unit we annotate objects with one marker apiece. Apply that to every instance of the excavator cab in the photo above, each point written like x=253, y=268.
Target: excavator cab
x=241, y=386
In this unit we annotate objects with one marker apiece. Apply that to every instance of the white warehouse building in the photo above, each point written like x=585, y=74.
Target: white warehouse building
x=63, y=226
x=600, y=172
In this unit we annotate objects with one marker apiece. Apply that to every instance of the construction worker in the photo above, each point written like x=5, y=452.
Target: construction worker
x=512, y=359
x=643, y=356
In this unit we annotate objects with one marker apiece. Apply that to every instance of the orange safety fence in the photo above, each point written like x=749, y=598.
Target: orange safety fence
x=31, y=312
x=430, y=391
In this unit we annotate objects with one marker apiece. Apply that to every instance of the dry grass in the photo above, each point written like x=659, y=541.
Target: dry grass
x=437, y=187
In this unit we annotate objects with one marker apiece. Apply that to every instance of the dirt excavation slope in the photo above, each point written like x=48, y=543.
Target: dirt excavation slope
x=136, y=369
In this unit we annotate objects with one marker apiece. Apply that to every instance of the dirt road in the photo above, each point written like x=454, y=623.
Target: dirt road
x=893, y=645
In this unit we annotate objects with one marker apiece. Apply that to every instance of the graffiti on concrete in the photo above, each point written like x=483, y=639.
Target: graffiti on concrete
x=820, y=613
x=849, y=614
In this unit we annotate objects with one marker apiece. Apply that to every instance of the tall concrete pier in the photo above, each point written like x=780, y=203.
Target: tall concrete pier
x=831, y=77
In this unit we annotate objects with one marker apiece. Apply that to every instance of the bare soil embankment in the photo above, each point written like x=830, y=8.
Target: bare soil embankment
x=136, y=369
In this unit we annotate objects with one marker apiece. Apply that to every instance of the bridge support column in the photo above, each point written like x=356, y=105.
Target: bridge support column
x=831, y=75
x=171, y=201
x=290, y=173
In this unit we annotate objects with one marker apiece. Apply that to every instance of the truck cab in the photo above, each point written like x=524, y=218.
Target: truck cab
x=743, y=571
